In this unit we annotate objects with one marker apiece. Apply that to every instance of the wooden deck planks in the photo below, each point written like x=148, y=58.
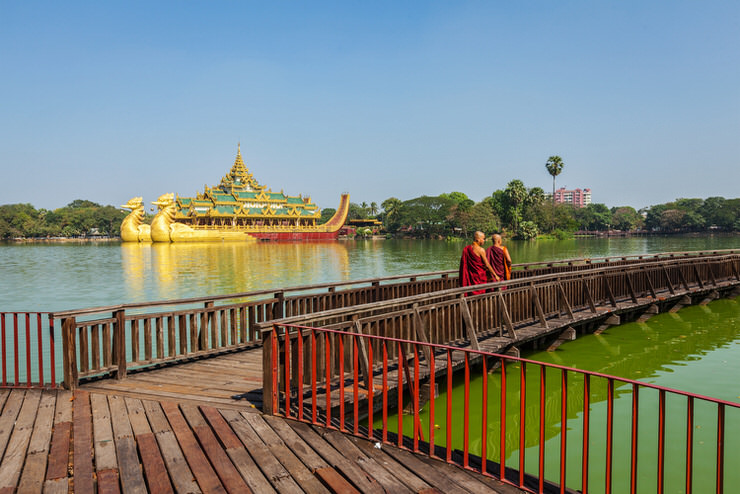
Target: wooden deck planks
x=32, y=479
x=117, y=444
x=15, y=452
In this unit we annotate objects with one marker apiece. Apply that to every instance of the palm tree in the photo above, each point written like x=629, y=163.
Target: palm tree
x=554, y=166
x=373, y=208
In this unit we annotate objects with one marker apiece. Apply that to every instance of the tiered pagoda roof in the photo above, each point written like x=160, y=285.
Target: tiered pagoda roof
x=240, y=195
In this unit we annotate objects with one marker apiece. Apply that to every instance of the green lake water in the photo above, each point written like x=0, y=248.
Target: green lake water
x=696, y=350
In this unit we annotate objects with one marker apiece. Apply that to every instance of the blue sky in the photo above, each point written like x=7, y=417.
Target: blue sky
x=110, y=100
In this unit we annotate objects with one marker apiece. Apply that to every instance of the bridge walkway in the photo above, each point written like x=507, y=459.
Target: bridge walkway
x=234, y=380
x=58, y=441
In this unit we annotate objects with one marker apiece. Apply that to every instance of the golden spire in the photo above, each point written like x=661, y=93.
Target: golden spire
x=238, y=160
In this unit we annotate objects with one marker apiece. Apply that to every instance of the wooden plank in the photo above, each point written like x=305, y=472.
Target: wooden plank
x=294, y=442
x=201, y=468
x=220, y=461
x=157, y=479
x=345, y=446
x=132, y=477
x=57, y=486
x=270, y=466
x=32, y=479
x=177, y=466
x=335, y=481
x=248, y=469
x=82, y=443
x=398, y=469
x=289, y=460
x=59, y=451
x=8, y=417
x=438, y=474
x=108, y=481
x=105, y=449
x=15, y=454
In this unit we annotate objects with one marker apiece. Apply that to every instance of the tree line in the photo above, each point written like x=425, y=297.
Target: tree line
x=517, y=211
x=522, y=212
x=78, y=218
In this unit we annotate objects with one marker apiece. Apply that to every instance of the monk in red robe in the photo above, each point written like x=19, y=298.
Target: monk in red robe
x=474, y=267
x=499, y=259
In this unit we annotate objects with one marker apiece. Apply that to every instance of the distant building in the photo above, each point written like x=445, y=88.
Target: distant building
x=577, y=197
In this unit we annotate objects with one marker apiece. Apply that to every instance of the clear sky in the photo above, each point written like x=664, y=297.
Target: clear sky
x=110, y=100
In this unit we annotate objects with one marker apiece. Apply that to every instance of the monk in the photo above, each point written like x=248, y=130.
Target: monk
x=499, y=259
x=474, y=267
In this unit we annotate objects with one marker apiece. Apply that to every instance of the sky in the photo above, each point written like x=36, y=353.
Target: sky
x=106, y=101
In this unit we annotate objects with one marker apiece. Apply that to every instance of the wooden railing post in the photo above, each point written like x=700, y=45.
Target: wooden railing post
x=69, y=347
x=278, y=307
x=269, y=391
x=119, y=343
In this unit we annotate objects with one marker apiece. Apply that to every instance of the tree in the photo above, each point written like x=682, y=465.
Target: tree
x=373, y=208
x=392, y=208
x=625, y=218
x=515, y=193
x=554, y=166
x=326, y=214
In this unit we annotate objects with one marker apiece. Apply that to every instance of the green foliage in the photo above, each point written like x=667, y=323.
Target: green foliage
x=527, y=230
x=326, y=214
x=78, y=218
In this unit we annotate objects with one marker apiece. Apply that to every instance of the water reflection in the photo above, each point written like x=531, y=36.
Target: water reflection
x=169, y=271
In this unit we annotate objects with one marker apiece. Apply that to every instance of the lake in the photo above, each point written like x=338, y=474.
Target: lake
x=697, y=349
x=51, y=276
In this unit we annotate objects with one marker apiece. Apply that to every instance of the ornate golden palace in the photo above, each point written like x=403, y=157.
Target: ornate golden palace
x=238, y=208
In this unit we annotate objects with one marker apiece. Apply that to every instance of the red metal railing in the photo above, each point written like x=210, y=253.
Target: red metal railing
x=27, y=342
x=605, y=410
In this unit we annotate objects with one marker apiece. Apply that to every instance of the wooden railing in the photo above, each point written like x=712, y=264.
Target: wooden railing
x=110, y=341
x=449, y=316
x=545, y=402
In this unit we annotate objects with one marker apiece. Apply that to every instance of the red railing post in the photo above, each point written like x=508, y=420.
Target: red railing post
x=720, y=448
x=4, y=350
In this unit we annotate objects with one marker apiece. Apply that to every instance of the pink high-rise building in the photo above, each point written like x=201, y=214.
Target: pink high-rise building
x=577, y=197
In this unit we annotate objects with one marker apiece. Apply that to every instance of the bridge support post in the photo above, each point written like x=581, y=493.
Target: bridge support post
x=650, y=312
x=613, y=320
x=685, y=300
x=568, y=334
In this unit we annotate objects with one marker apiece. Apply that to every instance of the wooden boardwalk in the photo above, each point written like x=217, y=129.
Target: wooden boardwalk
x=57, y=441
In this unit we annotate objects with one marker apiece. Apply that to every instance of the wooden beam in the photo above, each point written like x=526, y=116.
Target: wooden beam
x=365, y=366
x=589, y=298
x=469, y=326
x=668, y=280
x=682, y=278
x=609, y=292
x=538, y=306
x=698, y=277
x=628, y=276
x=507, y=316
x=565, y=301
x=421, y=335
x=649, y=284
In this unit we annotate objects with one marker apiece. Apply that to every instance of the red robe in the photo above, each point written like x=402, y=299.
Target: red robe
x=497, y=259
x=472, y=269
